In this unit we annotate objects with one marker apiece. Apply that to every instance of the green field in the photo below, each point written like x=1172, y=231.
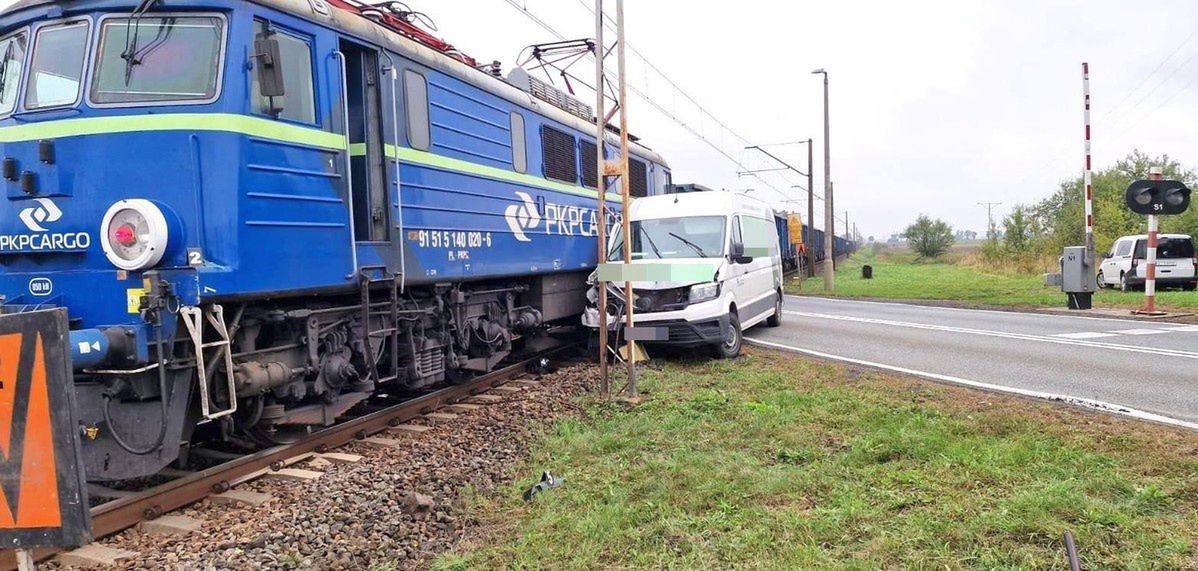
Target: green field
x=778, y=462
x=898, y=275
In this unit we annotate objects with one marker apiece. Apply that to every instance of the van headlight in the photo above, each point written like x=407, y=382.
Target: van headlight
x=134, y=234
x=704, y=292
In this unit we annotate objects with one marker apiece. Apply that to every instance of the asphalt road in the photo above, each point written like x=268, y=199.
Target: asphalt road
x=1145, y=369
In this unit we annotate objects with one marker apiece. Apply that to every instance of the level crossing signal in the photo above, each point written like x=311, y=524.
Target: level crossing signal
x=1158, y=197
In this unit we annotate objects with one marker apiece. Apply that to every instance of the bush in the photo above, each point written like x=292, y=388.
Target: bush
x=929, y=238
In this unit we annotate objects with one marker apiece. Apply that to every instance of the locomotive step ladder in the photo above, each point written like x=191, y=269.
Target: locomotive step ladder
x=193, y=318
x=366, y=279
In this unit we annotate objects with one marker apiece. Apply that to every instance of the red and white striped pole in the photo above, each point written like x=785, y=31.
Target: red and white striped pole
x=1089, y=185
x=1154, y=173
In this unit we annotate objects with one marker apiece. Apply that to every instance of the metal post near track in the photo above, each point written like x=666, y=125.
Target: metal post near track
x=810, y=210
x=600, y=128
x=1154, y=173
x=625, y=190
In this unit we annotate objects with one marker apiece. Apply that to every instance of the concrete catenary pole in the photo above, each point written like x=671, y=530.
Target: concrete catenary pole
x=829, y=225
x=1087, y=176
x=601, y=209
x=626, y=190
x=1154, y=173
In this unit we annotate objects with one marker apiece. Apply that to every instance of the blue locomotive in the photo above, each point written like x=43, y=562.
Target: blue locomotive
x=260, y=213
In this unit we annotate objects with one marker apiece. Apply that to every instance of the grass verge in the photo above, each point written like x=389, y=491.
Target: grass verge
x=777, y=461
x=898, y=275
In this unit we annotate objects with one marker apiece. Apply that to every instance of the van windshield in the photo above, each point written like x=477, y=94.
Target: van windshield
x=670, y=238
x=1167, y=248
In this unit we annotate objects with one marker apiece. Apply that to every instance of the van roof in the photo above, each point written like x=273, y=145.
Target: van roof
x=698, y=204
x=1145, y=236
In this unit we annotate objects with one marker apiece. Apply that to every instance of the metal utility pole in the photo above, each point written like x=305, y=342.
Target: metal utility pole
x=810, y=211
x=848, y=234
x=991, y=232
x=617, y=168
x=625, y=188
x=810, y=220
x=829, y=233
x=600, y=138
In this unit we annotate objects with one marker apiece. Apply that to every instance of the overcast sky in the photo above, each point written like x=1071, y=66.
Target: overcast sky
x=936, y=106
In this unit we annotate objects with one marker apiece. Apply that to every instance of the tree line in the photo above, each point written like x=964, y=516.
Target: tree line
x=1034, y=232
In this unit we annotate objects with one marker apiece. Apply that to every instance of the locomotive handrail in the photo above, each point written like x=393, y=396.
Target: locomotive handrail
x=349, y=177
x=403, y=273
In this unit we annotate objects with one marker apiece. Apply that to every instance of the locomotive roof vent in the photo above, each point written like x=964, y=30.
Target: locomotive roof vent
x=550, y=94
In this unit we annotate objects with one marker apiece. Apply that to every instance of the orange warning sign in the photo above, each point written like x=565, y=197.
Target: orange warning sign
x=42, y=500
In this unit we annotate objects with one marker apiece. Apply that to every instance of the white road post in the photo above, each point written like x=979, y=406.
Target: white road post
x=1154, y=173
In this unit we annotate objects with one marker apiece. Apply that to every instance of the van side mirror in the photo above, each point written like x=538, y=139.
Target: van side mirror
x=270, y=69
x=1106, y=255
x=737, y=254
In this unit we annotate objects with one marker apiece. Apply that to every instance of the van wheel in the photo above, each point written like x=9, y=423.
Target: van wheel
x=1101, y=280
x=775, y=319
x=730, y=347
x=1124, y=285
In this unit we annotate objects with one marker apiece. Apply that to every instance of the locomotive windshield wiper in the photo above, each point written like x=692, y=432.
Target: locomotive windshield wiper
x=4, y=66
x=700, y=251
x=132, y=55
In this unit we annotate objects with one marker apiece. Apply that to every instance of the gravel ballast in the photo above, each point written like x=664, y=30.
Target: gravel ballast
x=395, y=509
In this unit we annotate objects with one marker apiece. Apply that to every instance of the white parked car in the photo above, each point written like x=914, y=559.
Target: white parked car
x=1125, y=265
x=721, y=251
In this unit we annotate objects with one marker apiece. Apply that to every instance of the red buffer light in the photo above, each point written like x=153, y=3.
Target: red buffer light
x=125, y=235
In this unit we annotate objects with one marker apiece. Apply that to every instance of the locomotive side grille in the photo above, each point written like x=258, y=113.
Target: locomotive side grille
x=557, y=152
x=638, y=179
x=590, y=170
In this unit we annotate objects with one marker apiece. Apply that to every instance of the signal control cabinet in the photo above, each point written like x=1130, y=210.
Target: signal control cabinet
x=1078, y=280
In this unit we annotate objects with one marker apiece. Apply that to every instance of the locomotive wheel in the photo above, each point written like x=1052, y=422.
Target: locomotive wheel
x=459, y=376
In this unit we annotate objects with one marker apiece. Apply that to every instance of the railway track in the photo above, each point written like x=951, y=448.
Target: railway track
x=125, y=512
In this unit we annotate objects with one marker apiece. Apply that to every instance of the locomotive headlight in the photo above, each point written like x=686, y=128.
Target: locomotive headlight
x=134, y=234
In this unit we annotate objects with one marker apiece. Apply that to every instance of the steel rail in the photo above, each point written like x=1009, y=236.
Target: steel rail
x=123, y=513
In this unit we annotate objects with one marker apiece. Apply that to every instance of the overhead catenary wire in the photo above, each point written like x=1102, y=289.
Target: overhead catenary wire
x=523, y=9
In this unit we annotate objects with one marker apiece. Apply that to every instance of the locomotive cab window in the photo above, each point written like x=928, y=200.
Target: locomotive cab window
x=12, y=60
x=57, y=67
x=416, y=103
x=519, y=149
x=158, y=59
x=298, y=100
x=559, y=155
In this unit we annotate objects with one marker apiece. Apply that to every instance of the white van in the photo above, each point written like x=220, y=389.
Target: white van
x=1125, y=266
x=717, y=254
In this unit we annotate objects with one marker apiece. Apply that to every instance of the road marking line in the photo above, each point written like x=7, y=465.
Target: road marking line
x=1005, y=335
x=1138, y=331
x=976, y=310
x=1184, y=328
x=1080, y=401
x=1085, y=335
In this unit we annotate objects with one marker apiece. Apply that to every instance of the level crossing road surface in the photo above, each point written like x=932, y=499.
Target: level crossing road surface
x=1146, y=369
